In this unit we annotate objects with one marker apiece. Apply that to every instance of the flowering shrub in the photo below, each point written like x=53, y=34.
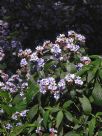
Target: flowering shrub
x=51, y=92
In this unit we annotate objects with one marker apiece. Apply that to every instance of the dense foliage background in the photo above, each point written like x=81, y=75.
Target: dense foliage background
x=33, y=21
x=50, y=83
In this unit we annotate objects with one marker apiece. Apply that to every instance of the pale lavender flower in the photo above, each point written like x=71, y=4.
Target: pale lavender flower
x=40, y=62
x=78, y=81
x=75, y=48
x=8, y=126
x=53, y=130
x=42, y=89
x=80, y=38
x=52, y=81
x=79, y=66
x=56, y=49
x=28, y=51
x=61, y=84
x=52, y=87
x=44, y=82
x=23, y=62
x=70, y=77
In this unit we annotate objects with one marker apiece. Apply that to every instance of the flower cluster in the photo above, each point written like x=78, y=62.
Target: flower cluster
x=53, y=68
x=63, y=50
x=13, y=84
x=50, y=84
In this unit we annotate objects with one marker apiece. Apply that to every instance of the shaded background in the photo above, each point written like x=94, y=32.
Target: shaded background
x=33, y=21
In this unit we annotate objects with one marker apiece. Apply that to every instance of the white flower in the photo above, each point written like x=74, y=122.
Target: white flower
x=38, y=130
x=39, y=48
x=21, y=93
x=19, y=124
x=1, y=84
x=1, y=111
x=57, y=95
x=71, y=33
x=15, y=116
x=23, y=113
x=34, y=57
x=85, y=58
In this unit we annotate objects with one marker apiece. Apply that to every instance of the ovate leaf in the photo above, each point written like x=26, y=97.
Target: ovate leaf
x=86, y=106
x=59, y=118
x=91, y=125
x=69, y=116
x=97, y=94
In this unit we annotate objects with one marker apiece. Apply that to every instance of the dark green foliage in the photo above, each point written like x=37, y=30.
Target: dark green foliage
x=33, y=21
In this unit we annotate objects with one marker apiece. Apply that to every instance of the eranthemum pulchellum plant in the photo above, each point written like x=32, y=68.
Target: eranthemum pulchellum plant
x=47, y=95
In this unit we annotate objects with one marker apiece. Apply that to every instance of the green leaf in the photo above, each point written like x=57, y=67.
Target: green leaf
x=3, y=66
x=9, y=110
x=67, y=104
x=45, y=118
x=90, y=76
x=31, y=91
x=59, y=118
x=69, y=116
x=71, y=134
x=91, y=125
x=97, y=94
x=5, y=96
x=16, y=131
x=100, y=133
x=70, y=67
x=100, y=73
x=32, y=112
x=82, y=71
x=86, y=106
x=53, y=109
x=17, y=99
x=21, y=106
